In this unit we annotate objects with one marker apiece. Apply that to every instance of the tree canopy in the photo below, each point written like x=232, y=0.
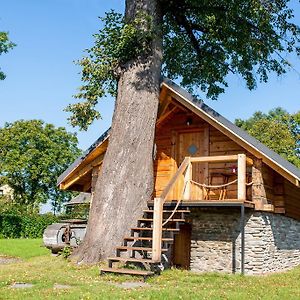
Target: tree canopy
x=203, y=41
x=277, y=129
x=32, y=155
x=5, y=46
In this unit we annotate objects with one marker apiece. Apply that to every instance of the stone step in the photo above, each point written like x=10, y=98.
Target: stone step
x=126, y=271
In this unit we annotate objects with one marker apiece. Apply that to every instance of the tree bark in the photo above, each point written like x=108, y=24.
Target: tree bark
x=126, y=179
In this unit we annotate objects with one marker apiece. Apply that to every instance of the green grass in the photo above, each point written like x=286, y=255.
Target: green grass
x=23, y=248
x=45, y=270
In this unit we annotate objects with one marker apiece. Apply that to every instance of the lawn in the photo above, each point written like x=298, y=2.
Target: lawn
x=23, y=248
x=42, y=270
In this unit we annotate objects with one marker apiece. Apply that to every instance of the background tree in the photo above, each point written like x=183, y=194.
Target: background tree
x=32, y=155
x=5, y=45
x=278, y=130
x=200, y=42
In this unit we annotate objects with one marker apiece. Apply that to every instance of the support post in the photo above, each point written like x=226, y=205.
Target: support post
x=241, y=177
x=187, y=182
x=242, y=239
x=258, y=189
x=157, y=229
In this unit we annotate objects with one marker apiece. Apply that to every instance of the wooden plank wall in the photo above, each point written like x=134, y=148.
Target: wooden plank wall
x=166, y=162
x=220, y=144
x=279, y=192
x=292, y=200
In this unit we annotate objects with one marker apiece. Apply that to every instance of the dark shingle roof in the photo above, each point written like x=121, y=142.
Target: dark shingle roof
x=78, y=161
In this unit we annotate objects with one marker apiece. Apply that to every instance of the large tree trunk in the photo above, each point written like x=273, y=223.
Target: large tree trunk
x=126, y=180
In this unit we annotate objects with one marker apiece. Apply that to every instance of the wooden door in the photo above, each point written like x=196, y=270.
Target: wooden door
x=182, y=247
x=192, y=144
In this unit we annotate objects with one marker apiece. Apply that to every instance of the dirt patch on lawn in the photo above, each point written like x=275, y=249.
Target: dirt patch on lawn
x=4, y=260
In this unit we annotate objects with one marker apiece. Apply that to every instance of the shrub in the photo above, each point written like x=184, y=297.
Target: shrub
x=66, y=252
x=14, y=225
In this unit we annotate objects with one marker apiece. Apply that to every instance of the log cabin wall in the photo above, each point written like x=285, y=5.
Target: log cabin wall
x=291, y=199
x=176, y=136
x=220, y=144
x=282, y=194
x=274, y=188
x=268, y=182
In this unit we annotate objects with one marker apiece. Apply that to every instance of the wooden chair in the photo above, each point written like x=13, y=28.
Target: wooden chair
x=225, y=177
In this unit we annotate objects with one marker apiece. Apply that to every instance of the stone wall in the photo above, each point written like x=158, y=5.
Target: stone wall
x=272, y=241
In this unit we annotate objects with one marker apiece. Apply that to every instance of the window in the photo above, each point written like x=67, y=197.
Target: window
x=192, y=149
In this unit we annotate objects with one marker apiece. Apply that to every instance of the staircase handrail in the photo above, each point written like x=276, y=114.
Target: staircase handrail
x=186, y=166
x=158, y=210
x=175, y=178
x=177, y=204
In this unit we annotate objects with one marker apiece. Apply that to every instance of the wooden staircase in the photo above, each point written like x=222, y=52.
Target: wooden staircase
x=136, y=250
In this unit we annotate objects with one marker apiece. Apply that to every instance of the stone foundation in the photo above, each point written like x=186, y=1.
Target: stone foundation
x=272, y=241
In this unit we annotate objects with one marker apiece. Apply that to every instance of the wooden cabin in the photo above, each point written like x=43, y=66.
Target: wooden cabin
x=242, y=197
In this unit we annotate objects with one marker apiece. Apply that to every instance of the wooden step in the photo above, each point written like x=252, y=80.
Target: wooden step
x=129, y=248
x=168, y=211
x=139, y=238
x=131, y=259
x=151, y=229
x=126, y=271
x=171, y=220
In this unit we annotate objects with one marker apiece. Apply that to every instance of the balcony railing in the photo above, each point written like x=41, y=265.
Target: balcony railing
x=186, y=170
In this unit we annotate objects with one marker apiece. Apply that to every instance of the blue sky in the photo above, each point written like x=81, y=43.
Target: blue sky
x=42, y=76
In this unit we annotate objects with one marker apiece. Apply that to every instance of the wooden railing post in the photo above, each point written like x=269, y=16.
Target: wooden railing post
x=241, y=177
x=157, y=229
x=187, y=182
x=259, y=196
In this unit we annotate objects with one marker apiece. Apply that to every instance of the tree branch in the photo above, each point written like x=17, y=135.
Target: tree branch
x=182, y=20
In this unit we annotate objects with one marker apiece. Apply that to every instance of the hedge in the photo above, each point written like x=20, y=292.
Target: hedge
x=24, y=226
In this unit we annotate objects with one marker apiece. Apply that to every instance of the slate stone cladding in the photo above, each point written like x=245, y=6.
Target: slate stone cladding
x=272, y=241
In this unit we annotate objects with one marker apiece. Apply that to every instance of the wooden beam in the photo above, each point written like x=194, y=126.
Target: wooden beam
x=163, y=117
x=249, y=161
x=157, y=229
x=96, y=152
x=187, y=182
x=206, y=145
x=241, y=177
x=163, y=93
x=180, y=106
x=258, y=189
x=80, y=173
x=174, y=179
x=86, y=186
x=267, y=207
x=220, y=158
x=163, y=107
